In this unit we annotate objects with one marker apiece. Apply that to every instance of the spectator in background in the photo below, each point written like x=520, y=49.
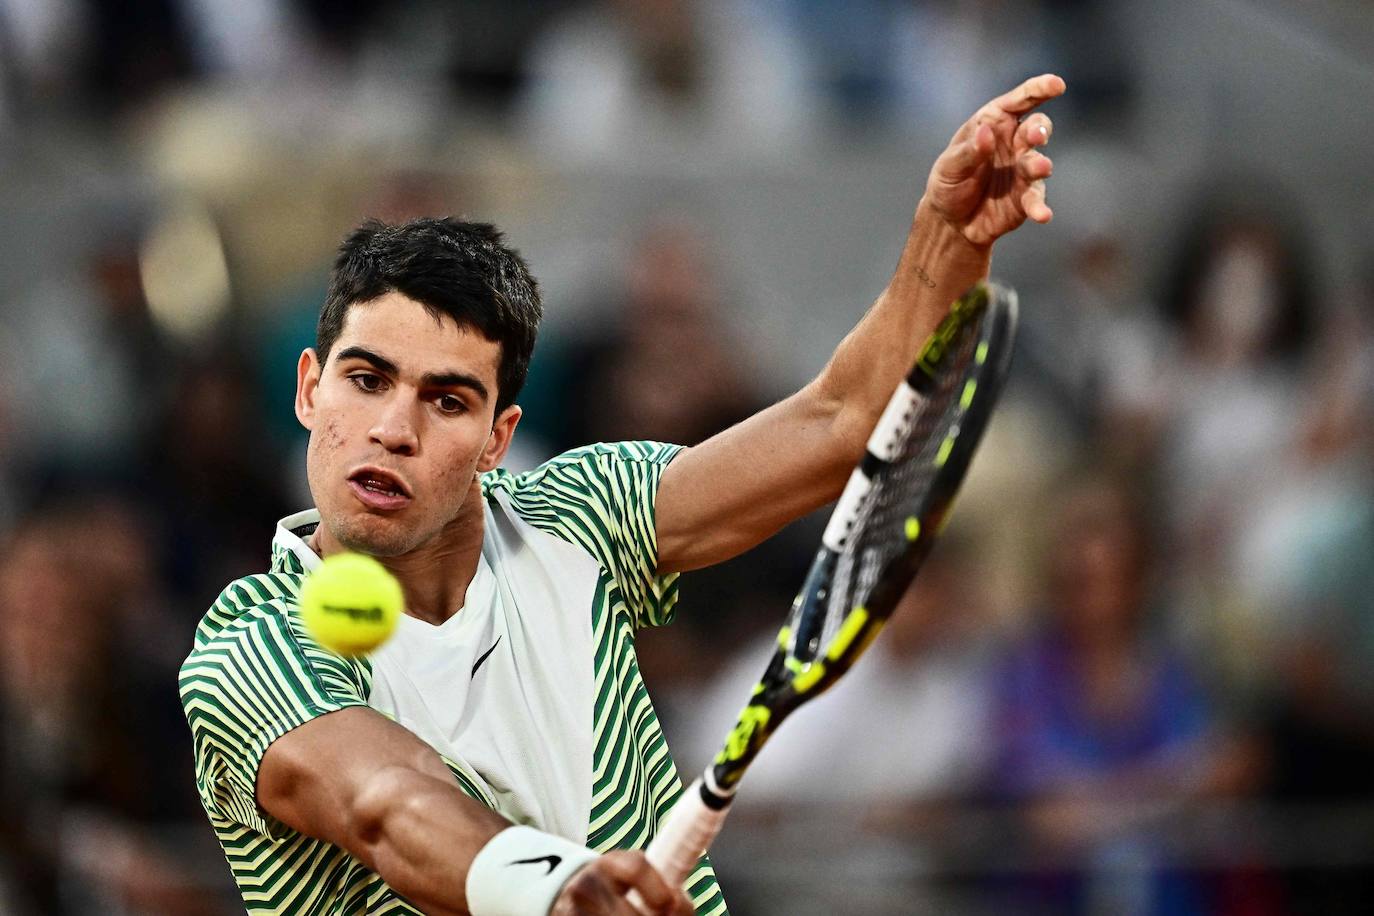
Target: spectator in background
x=37, y=42
x=669, y=367
x=944, y=53
x=1101, y=725
x=1307, y=551
x=95, y=363
x=134, y=50
x=899, y=741
x=1094, y=349
x=1297, y=543
x=84, y=774
x=214, y=497
x=1241, y=304
x=916, y=65
x=666, y=80
x=920, y=693
x=1240, y=301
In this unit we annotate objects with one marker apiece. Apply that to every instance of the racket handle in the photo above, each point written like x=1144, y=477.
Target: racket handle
x=686, y=834
x=683, y=838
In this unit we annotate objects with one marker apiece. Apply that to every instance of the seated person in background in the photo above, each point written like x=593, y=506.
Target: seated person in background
x=1102, y=727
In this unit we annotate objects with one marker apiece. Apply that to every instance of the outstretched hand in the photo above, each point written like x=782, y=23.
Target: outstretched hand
x=991, y=177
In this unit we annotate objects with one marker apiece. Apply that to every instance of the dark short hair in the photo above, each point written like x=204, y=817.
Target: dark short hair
x=453, y=268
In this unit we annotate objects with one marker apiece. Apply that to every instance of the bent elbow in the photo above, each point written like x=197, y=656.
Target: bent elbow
x=385, y=796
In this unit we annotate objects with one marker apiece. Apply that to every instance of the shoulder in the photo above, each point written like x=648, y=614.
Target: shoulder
x=248, y=599
x=585, y=471
x=254, y=672
x=254, y=636
x=595, y=457
x=601, y=499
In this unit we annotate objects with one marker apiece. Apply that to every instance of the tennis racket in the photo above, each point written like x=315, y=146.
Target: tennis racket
x=883, y=526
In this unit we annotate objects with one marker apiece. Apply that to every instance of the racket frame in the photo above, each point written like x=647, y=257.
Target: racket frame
x=800, y=668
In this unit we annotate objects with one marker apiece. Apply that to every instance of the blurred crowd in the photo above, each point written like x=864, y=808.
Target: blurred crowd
x=1133, y=678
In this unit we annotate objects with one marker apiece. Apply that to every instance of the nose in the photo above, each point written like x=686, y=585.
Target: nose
x=394, y=429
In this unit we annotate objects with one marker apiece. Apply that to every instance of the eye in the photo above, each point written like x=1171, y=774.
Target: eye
x=450, y=403
x=366, y=381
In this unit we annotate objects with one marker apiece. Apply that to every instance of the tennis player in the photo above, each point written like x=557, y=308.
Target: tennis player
x=500, y=755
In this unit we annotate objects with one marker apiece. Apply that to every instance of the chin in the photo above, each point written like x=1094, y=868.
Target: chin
x=374, y=537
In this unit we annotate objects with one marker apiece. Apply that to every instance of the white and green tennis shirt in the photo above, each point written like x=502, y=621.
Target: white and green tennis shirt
x=531, y=693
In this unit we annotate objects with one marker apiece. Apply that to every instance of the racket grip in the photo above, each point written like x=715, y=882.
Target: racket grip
x=686, y=834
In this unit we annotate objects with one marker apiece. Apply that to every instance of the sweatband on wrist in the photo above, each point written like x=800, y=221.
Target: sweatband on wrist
x=521, y=871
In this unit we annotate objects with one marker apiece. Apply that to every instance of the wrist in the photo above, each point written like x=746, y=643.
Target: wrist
x=521, y=871
x=930, y=222
x=938, y=259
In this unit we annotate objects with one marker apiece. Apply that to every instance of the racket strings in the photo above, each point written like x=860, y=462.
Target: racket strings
x=882, y=529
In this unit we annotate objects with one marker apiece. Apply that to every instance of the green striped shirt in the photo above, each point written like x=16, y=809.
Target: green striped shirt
x=254, y=674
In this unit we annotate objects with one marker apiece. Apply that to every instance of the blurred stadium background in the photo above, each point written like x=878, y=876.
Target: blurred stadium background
x=1136, y=679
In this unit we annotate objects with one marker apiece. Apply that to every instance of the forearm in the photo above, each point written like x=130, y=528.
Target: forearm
x=937, y=266
x=795, y=456
x=420, y=833
x=722, y=497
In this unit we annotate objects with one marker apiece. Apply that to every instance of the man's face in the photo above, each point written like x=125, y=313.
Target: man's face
x=401, y=423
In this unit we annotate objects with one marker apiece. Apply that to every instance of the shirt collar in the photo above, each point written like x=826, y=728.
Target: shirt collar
x=290, y=540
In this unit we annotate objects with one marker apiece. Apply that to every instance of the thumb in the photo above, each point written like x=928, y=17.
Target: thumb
x=962, y=159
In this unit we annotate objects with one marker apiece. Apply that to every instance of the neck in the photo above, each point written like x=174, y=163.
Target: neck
x=434, y=576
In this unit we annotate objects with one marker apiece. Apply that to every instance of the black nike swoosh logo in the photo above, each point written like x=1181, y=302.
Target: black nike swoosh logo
x=553, y=861
x=477, y=664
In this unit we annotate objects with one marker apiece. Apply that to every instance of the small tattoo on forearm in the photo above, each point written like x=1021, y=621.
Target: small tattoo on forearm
x=925, y=278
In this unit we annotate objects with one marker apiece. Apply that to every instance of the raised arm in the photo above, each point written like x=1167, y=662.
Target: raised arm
x=726, y=495
x=358, y=780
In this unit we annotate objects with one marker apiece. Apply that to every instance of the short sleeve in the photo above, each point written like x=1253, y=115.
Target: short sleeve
x=242, y=688
x=602, y=498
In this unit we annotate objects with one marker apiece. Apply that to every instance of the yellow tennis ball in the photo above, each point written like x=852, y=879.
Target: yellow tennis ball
x=350, y=604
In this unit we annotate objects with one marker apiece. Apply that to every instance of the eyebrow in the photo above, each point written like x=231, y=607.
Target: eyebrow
x=428, y=380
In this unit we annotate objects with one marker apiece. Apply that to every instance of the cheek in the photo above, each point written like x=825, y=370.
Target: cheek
x=458, y=468
x=331, y=437
x=325, y=442
x=458, y=473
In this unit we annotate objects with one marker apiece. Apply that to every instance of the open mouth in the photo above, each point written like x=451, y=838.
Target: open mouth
x=379, y=488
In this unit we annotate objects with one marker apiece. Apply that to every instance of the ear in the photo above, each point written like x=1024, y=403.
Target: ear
x=498, y=443
x=307, y=383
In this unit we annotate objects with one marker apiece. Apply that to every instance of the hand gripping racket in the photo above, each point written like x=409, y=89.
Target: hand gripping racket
x=883, y=526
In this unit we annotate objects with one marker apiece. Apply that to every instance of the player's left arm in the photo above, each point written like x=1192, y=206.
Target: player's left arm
x=722, y=497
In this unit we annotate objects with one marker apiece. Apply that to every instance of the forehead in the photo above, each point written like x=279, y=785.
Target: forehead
x=417, y=340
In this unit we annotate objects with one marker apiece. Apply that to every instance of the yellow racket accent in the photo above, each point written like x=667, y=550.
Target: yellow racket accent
x=980, y=355
x=934, y=350
x=808, y=677
x=943, y=454
x=852, y=626
x=966, y=398
x=750, y=720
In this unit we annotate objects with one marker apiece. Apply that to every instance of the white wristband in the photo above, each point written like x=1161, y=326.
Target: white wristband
x=521, y=871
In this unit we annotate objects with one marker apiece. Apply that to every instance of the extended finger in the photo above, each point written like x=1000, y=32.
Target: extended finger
x=1033, y=92
x=1033, y=203
x=589, y=891
x=631, y=870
